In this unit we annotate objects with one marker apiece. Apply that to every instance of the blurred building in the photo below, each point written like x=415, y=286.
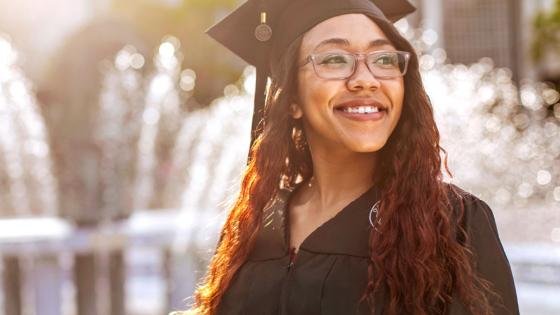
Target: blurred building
x=470, y=30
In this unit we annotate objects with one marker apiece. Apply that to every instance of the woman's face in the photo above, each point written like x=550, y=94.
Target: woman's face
x=328, y=106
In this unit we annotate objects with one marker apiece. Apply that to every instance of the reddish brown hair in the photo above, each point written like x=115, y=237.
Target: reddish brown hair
x=419, y=258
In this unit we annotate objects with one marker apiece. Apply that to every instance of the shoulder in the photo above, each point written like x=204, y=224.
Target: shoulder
x=475, y=219
x=480, y=234
x=270, y=240
x=458, y=195
x=467, y=206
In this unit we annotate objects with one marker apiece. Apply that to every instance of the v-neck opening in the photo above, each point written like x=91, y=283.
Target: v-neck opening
x=287, y=232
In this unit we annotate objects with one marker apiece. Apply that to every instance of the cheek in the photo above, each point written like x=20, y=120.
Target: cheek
x=315, y=94
x=395, y=93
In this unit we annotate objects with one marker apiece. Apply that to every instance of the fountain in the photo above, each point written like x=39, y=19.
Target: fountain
x=117, y=127
x=27, y=184
x=505, y=151
x=166, y=92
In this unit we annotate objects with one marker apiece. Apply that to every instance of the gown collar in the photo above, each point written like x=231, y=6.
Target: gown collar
x=347, y=233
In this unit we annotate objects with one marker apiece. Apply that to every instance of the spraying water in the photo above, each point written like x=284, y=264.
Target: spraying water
x=27, y=185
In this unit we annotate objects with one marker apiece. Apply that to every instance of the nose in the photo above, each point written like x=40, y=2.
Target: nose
x=362, y=78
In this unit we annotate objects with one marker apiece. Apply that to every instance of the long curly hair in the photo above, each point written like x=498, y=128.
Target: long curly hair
x=420, y=257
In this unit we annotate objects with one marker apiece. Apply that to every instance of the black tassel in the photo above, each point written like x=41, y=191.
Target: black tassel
x=258, y=106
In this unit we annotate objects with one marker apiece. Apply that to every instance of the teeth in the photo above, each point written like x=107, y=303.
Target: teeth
x=361, y=109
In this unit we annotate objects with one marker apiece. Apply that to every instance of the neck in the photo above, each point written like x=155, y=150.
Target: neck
x=340, y=176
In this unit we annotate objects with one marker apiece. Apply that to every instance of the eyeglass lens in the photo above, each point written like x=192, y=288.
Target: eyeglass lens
x=341, y=65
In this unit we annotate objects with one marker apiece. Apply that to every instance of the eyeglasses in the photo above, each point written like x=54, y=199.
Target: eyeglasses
x=342, y=65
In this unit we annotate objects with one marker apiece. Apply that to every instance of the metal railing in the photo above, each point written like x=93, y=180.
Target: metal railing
x=180, y=240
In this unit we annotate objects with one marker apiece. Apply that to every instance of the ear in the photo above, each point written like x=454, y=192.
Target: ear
x=296, y=111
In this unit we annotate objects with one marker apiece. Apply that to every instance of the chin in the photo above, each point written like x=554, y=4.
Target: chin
x=364, y=141
x=366, y=147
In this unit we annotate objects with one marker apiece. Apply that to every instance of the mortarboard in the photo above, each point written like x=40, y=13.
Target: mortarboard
x=259, y=27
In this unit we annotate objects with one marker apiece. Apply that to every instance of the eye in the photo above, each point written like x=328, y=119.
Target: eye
x=386, y=60
x=333, y=59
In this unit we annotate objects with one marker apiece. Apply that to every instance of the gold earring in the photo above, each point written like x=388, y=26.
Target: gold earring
x=299, y=139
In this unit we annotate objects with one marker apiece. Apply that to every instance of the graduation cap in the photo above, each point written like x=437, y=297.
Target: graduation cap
x=259, y=27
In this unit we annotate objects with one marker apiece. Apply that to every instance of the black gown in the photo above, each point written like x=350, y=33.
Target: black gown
x=329, y=273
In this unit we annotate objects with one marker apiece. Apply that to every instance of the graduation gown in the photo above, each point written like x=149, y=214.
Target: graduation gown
x=329, y=273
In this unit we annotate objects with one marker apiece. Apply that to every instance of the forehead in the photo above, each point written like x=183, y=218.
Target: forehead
x=358, y=30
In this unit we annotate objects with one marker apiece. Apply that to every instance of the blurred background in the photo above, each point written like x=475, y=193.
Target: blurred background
x=124, y=131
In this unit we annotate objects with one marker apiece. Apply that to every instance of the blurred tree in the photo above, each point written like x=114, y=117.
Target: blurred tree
x=187, y=20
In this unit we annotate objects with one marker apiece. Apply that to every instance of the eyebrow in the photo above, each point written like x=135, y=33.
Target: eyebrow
x=344, y=42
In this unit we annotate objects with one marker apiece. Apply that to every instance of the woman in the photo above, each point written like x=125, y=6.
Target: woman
x=342, y=208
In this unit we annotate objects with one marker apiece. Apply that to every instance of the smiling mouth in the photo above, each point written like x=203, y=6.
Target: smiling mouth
x=360, y=109
x=361, y=106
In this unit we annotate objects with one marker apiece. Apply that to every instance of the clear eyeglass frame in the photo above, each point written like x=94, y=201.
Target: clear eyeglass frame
x=342, y=74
